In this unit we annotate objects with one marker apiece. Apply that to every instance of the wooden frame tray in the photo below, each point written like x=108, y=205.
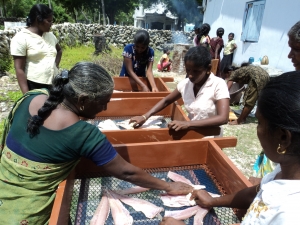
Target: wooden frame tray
x=159, y=155
x=129, y=89
x=129, y=107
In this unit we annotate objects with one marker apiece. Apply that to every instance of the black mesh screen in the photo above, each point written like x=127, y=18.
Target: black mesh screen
x=87, y=194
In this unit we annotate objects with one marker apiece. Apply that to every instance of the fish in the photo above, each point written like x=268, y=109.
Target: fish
x=183, y=214
x=201, y=213
x=147, y=208
x=178, y=178
x=120, y=214
x=175, y=201
x=101, y=212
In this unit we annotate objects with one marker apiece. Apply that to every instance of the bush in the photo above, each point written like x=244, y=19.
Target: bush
x=6, y=63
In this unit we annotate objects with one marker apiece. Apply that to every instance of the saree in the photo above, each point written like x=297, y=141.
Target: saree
x=27, y=187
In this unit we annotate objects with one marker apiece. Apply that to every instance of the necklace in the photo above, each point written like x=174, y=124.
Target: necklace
x=67, y=107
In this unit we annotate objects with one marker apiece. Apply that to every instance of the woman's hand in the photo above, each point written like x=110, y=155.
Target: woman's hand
x=179, y=188
x=178, y=125
x=202, y=198
x=154, y=89
x=138, y=121
x=145, y=88
x=171, y=221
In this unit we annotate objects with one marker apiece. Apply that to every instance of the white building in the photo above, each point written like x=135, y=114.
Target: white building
x=260, y=27
x=156, y=17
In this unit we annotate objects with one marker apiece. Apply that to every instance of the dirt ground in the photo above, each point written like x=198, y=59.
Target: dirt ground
x=243, y=155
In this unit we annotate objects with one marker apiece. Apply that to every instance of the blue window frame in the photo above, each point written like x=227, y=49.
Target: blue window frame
x=253, y=16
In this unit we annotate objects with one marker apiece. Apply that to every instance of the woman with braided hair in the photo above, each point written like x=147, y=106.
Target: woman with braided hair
x=44, y=139
x=216, y=45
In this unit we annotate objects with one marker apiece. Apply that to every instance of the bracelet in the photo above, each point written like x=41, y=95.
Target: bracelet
x=144, y=117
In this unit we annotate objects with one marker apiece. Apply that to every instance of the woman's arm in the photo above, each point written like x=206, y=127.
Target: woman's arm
x=150, y=77
x=19, y=63
x=58, y=55
x=172, y=97
x=233, y=48
x=131, y=73
x=123, y=170
x=241, y=199
x=221, y=118
x=217, y=51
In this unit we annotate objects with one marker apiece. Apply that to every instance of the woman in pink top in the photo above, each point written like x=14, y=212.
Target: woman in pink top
x=205, y=96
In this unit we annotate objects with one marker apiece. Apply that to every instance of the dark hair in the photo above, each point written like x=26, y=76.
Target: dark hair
x=279, y=104
x=295, y=31
x=199, y=55
x=204, y=30
x=39, y=12
x=220, y=32
x=84, y=78
x=165, y=50
x=141, y=37
x=231, y=34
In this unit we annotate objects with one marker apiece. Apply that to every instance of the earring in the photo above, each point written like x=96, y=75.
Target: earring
x=280, y=152
x=81, y=108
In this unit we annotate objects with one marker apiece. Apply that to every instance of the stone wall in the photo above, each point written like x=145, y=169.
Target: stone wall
x=70, y=34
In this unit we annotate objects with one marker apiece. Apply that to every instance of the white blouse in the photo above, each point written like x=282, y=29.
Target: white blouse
x=203, y=106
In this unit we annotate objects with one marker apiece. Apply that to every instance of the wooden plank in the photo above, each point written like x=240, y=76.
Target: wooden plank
x=226, y=142
x=132, y=107
x=154, y=155
x=178, y=113
x=155, y=135
x=161, y=85
x=62, y=203
x=167, y=79
x=139, y=94
x=230, y=178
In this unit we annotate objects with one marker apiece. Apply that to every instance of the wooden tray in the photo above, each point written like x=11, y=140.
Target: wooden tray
x=129, y=89
x=159, y=155
x=129, y=107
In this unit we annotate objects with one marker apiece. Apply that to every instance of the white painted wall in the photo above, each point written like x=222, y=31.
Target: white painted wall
x=279, y=17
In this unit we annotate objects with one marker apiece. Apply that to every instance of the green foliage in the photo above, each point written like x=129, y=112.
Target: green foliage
x=14, y=95
x=6, y=63
x=1, y=127
x=1, y=27
x=73, y=55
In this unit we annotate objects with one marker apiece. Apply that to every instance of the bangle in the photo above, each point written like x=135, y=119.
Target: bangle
x=144, y=117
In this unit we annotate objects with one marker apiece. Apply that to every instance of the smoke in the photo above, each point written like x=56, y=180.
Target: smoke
x=180, y=37
x=188, y=10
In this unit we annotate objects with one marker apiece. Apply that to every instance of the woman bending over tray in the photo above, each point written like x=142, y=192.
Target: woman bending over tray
x=205, y=96
x=44, y=140
x=138, y=61
x=276, y=199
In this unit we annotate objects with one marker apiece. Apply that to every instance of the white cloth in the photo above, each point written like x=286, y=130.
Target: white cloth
x=276, y=203
x=40, y=54
x=203, y=106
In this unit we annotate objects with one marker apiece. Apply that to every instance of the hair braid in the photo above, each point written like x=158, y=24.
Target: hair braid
x=55, y=98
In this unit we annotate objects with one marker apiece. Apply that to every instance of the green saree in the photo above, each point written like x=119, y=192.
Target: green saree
x=27, y=187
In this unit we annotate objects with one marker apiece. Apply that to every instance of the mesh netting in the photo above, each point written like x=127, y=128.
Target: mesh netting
x=87, y=194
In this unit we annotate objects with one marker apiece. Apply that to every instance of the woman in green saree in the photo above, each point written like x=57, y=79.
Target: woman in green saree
x=44, y=140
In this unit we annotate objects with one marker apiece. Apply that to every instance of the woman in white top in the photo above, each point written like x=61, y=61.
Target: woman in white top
x=36, y=51
x=276, y=199
x=205, y=96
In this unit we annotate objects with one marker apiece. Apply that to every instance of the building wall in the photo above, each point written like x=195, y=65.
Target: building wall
x=279, y=16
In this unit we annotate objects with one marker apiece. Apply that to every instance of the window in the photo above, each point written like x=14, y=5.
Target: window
x=253, y=16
